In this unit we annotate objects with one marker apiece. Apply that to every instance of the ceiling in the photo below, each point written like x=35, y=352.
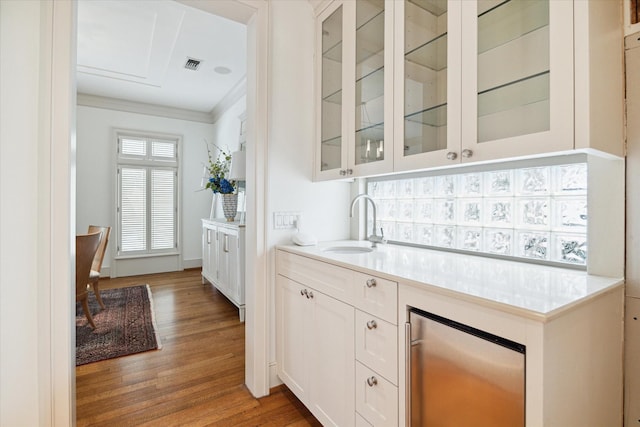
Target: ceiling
x=136, y=51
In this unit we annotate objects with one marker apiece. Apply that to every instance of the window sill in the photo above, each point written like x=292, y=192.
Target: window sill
x=153, y=255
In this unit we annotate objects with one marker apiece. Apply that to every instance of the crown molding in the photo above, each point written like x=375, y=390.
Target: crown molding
x=143, y=108
x=233, y=96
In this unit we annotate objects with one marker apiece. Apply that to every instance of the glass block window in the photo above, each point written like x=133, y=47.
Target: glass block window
x=537, y=213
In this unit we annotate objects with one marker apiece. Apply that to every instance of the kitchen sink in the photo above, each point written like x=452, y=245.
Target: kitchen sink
x=348, y=249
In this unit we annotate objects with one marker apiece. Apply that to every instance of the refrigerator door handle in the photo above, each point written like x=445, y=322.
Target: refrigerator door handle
x=407, y=371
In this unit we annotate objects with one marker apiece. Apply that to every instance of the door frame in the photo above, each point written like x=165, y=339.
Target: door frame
x=57, y=217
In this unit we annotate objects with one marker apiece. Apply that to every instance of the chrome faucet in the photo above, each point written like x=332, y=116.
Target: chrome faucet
x=374, y=238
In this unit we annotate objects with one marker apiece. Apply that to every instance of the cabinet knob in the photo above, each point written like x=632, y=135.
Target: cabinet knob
x=371, y=324
x=301, y=292
x=371, y=381
x=310, y=295
x=343, y=172
x=466, y=153
x=371, y=283
x=349, y=171
x=451, y=155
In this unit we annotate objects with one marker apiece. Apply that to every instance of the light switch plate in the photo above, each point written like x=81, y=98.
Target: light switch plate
x=286, y=220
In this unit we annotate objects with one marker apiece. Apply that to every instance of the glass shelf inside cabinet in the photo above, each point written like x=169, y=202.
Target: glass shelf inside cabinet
x=370, y=35
x=431, y=55
x=433, y=116
x=330, y=154
x=514, y=94
x=516, y=108
x=500, y=22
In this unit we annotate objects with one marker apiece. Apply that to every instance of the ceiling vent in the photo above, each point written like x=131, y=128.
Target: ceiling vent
x=192, y=64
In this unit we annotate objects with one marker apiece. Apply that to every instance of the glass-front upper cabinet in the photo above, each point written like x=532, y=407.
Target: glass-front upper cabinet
x=355, y=82
x=517, y=84
x=427, y=83
x=373, y=80
x=331, y=144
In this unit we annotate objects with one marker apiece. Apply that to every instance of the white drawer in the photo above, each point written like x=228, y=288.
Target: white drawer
x=377, y=345
x=376, y=296
x=329, y=279
x=376, y=398
x=361, y=422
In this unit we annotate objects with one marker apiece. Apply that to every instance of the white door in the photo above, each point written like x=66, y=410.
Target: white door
x=332, y=360
x=293, y=313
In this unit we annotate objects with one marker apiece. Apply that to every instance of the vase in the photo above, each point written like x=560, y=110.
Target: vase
x=230, y=206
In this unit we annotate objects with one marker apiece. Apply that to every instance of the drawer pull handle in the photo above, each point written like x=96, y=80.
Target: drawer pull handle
x=371, y=283
x=371, y=324
x=371, y=381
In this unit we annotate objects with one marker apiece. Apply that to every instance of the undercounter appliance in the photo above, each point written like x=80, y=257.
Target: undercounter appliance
x=458, y=375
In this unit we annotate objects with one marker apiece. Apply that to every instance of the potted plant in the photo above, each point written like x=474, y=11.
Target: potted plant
x=220, y=184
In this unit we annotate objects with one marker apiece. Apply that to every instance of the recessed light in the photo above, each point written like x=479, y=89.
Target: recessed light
x=222, y=70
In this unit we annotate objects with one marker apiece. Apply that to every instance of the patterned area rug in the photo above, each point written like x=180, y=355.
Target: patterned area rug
x=126, y=326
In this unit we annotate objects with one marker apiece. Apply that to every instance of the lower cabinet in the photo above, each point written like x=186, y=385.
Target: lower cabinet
x=315, y=345
x=223, y=260
x=333, y=324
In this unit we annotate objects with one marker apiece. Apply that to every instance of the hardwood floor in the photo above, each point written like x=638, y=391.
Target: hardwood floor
x=196, y=379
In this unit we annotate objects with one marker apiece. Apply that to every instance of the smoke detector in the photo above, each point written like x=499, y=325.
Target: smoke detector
x=192, y=64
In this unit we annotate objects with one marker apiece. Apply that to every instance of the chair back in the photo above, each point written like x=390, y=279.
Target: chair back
x=97, y=260
x=86, y=247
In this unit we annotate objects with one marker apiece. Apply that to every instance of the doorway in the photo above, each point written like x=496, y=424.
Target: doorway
x=61, y=16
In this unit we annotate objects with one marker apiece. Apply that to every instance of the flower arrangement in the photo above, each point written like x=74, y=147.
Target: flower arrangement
x=218, y=170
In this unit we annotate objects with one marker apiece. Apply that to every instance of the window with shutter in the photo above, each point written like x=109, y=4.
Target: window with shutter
x=147, y=195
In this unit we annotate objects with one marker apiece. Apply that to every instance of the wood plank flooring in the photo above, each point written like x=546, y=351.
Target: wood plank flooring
x=196, y=379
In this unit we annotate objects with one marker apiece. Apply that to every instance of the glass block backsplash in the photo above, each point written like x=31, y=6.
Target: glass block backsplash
x=537, y=213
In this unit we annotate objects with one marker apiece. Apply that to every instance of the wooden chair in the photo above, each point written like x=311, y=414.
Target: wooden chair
x=94, y=277
x=86, y=247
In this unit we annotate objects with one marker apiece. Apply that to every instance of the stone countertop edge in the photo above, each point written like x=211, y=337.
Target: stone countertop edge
x=595, y=286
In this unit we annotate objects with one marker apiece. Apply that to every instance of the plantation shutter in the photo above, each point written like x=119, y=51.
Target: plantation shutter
x=133, y=210
x=163, y=209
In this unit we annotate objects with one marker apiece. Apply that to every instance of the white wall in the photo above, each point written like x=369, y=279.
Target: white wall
x=19, y=193
x=96, y=172
x=324, y=206
x=226, y=135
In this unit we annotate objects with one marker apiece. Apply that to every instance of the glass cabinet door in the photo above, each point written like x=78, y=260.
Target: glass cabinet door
x=513, y=68
x=425, y=76
x=522, y=96
x=331, y=89
x=427, y=81
x=369, y=104
x=373, y=80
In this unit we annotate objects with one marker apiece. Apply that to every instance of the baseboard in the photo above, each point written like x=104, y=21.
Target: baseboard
x=274, y=379
x=191, y=263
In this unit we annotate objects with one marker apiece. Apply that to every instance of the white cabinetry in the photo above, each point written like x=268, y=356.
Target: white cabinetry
x=355, y=63
x=315, y=348
x=325, y=340
x=223, y=259
x=472, y=81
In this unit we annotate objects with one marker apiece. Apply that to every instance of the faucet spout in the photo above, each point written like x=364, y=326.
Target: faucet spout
x=373, y=238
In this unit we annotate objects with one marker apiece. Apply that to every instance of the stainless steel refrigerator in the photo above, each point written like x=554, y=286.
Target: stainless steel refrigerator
x=461, y=376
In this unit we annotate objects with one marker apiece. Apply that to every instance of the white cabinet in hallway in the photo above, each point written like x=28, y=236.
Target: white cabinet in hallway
x=223, y=259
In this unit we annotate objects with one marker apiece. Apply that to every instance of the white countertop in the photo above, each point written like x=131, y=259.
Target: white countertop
x=535, y=291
